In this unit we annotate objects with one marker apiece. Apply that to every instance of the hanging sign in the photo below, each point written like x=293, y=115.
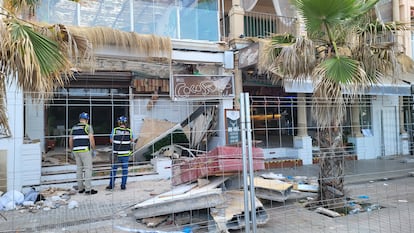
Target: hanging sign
x=233, y=135
x=201, y=87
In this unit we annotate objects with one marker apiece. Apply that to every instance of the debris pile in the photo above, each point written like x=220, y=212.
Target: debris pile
x=33, y=200
x=210, y=196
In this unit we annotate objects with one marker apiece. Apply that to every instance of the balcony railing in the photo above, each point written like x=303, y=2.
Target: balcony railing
x=264, y=25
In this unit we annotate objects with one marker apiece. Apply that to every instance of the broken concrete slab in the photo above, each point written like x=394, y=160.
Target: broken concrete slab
x=273, y=190
x=180, y=199
x=230, y=215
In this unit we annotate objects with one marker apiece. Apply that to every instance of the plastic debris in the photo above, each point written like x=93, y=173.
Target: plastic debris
x=73, y=204
x=11, y=199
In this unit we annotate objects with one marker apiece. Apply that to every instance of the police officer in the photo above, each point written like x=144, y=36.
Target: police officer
x=82, y=144
x=121, y=138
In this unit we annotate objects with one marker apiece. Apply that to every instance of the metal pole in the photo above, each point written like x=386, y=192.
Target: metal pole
x=78, y=14
x=131, y=16
x=244, y=160
x=250, y=157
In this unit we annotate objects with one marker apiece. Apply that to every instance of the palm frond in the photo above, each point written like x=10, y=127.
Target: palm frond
x=407, y=64
x=4, y=121
x=317, y=13
x=75, y=46
x=17, y=6
x=292, y=60
x=342, y=70
x=31, y=59
x=328, y=103
x=334, y=77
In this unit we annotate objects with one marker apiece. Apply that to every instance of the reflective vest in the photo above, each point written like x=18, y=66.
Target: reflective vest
x=80, y=137
x=121, y=140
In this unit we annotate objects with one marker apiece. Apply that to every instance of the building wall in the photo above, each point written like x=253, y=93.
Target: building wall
x=13, y=145
x=385, y=126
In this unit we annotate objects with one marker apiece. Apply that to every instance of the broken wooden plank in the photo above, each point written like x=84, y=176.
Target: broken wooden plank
x=327, y=212
x=276, y=185
x=153, y=130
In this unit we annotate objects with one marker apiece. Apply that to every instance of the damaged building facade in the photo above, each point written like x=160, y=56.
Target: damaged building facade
x=213, y=57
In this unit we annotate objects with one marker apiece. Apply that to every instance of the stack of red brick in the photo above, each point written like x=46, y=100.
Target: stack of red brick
x=222, y=160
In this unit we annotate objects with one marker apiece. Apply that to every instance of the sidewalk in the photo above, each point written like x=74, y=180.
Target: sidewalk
x=106, y=210
x=359, y=171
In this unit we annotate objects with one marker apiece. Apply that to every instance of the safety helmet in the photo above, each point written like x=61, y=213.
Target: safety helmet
x=122, y=119
x=84, y=115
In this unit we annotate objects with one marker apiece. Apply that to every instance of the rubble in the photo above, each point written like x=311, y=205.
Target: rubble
x=181, y=198
x=230, y=215
x=33, y=200
x=274, y=190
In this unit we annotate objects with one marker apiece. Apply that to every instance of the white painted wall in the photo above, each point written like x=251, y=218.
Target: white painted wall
x=13, y=144
x=385, y=126
x=31, y=164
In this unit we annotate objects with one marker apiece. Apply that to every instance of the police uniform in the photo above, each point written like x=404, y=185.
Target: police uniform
x=122, y=149
x=82, y=152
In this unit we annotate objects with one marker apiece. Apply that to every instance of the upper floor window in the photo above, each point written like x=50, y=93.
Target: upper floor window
x=182, y=19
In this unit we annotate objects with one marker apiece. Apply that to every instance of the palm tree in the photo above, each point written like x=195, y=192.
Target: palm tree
x=29, y=57
x=341, y=54
x=38, y=58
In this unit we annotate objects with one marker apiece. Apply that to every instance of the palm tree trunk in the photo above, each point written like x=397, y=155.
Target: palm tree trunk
x=331, y=175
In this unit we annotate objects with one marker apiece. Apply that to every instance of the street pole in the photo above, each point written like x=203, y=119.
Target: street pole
x=250, y=158
x=244, y=161
x=248, y=168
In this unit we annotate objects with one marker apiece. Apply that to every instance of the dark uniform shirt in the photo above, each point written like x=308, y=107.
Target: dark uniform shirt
x=80, y=134
x=121, y=139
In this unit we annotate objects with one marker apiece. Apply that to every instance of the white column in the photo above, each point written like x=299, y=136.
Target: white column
x=302, y=141
x=236, y=15
x=355, y=122
x=302, y=118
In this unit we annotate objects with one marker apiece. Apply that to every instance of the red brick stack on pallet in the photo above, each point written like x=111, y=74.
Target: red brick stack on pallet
x=223, y=160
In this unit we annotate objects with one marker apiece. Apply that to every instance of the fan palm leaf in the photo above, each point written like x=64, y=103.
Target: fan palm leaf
x=31, y=59
x=326, y=15
x=334, y=77
x=295, y=58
